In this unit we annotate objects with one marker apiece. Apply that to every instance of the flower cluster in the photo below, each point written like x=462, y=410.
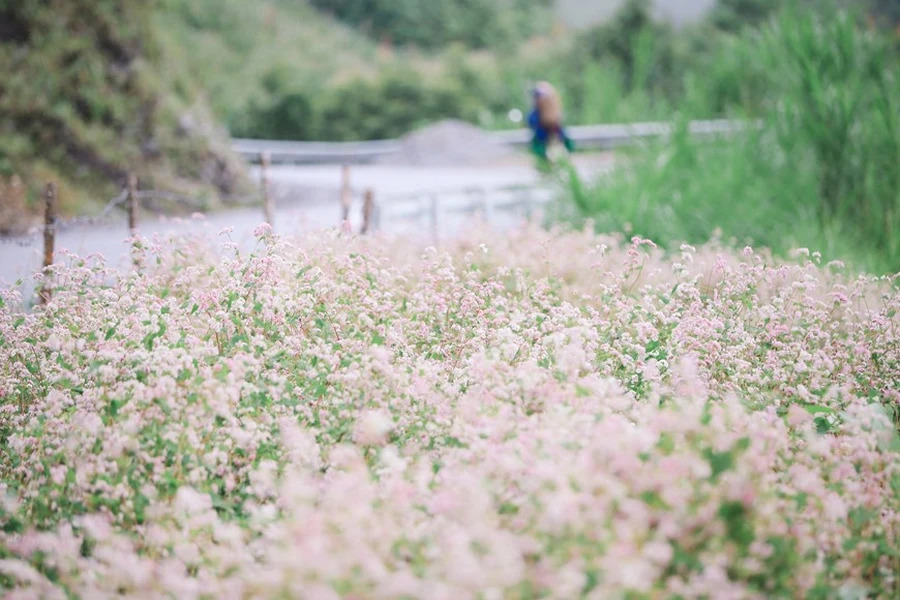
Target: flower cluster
x=547, y=414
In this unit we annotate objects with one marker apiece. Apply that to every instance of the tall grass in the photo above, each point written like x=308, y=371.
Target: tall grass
x=838, y=99
x=822, y=171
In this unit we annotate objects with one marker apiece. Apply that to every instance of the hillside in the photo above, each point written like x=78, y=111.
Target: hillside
x=84, y=99
x=241, y=52
x=284, y=69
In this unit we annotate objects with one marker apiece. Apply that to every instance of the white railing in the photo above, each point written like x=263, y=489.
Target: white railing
x=431, y=211
x=600, y=137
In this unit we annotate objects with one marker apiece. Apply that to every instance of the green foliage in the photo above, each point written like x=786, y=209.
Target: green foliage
x=82, y=103
x=344, y=87
x=887, y=11
x=820, y=172
x=733, y=15
x=641, y=46
x=387, y=107
x=836, y=96
x=429, y=24
x=245, y=53
x=289, y=117
x=71, y=95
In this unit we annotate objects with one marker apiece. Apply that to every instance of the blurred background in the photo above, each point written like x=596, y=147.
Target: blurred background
x=91, y=90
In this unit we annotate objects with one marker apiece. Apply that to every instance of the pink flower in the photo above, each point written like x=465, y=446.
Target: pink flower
x=262, y=230
x=373, y=427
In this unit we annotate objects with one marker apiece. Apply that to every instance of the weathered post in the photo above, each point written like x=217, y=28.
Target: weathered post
x=132, y=204
x=264, y=160
x=368, y=211
x=346, y=193
x=485, y=205
x=49, y=237
x=433, y=214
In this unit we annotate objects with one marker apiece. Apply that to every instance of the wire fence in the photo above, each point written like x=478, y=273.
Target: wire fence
x=105, y=215
x=59, y=225
x=427, y=212
x=435, y=213
x=428, y=207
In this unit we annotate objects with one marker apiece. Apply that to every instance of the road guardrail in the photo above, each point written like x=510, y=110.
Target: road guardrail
x=597, y=137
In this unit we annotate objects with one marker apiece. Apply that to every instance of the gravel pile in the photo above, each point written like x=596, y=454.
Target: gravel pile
x=449, y=143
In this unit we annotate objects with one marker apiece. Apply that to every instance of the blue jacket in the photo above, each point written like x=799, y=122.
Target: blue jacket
x=542, y=134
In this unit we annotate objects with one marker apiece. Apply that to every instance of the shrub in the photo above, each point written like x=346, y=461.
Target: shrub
x=386, y=107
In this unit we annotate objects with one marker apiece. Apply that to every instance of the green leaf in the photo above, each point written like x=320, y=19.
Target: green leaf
x=823, y=425
x=652, y=499
x=738, y=526
x=666, y=443
x=719, y=462
x=222, y=373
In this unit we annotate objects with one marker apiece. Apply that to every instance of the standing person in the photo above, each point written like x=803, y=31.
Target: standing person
x=546, y=121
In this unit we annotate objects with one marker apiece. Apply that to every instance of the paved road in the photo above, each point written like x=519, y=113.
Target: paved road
x=306, y=200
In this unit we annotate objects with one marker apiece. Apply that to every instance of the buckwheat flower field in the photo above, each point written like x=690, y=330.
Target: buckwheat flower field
x=537, y=415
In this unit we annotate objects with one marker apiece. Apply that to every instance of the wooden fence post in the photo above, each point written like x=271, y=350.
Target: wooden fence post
x=485, y=205
x=346, y=194
x=264, y=160
x=132, y=204
x=368, y=211
x=433, y=214
x=49, y=237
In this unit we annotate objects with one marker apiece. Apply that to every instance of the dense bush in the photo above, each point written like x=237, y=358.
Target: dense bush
x=734, y=15
x=475, y=23
x=360, y=109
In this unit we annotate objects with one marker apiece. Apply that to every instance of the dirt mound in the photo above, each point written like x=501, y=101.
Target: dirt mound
x=449, y=143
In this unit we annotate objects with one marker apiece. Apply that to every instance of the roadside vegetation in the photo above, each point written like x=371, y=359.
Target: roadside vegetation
x=821, y=170
x=86, y=96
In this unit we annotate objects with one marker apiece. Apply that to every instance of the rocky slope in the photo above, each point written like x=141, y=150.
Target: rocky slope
x=87, y=96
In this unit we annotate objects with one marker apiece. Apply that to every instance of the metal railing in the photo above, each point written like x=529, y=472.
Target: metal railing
x=493, y=203
x=599, y=137
x=315, y=152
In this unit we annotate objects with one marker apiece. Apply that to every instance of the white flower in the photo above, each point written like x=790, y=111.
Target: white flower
x=189, y=501
x=372, y=428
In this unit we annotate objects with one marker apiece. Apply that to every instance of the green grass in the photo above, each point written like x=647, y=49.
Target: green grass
x=821, y=173
x=685, y=191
